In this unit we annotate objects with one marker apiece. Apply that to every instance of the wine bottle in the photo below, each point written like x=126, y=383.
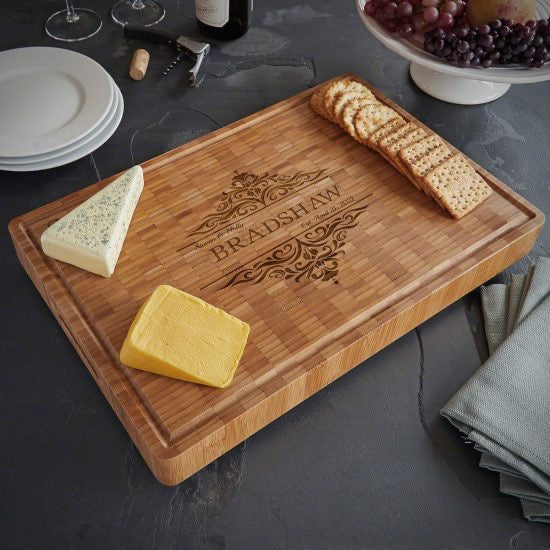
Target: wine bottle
x=223, y=19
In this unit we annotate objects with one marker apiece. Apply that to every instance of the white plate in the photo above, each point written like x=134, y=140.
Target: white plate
x=502, y=74
x=49, y=98
x=86, y=149
x=77, y=144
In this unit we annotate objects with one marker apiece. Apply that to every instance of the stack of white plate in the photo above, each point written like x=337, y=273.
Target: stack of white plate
x=56, y=106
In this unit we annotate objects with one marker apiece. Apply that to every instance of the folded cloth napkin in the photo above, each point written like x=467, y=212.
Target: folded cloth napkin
x=505, y=406
x=490, y=462
x=495, y=300
x=511, y=485
x=535, y=511
x=514, y=300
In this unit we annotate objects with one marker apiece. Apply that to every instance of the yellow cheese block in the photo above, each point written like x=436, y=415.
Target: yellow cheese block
x=181, y=336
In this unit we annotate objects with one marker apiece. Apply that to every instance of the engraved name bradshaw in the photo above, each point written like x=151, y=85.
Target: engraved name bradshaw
x=324, y=218
x=305, y=207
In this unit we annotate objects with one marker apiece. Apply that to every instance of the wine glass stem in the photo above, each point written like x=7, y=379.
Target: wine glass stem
x=138, y=5
x=72, y=16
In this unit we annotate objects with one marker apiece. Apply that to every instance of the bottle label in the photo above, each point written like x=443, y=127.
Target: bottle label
x=212, y=12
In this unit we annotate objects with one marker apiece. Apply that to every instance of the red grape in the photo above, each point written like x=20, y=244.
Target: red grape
x=460, y=7
x=418, y=22
x=379, y=15
x=389, y=10
x=449, y=7
x=370, y=8
x=445, y=21
x=404, y=9
x=430, y=14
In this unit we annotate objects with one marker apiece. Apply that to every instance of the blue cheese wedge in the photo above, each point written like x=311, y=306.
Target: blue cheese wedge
x=91, y=236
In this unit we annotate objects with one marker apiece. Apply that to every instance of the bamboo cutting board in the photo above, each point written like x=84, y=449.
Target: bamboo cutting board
x=284, y=221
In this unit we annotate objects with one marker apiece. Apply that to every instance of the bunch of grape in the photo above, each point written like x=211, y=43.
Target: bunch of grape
x=405, y=17
x=500, y=42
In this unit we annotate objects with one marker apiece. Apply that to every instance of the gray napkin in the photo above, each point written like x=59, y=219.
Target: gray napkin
x=504, y=408
x=511, y=485
x=539, y=288
x=490, y=462
x=514, y=301
x=494, y=301
x=535, y=511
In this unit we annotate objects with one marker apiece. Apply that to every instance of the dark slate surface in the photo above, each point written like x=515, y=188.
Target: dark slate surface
x=367, y=462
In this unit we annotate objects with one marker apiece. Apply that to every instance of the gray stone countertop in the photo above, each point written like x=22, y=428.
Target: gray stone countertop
x=366, y=463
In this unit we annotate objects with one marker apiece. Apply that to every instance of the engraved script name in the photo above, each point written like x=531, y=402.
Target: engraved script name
x=233, y=244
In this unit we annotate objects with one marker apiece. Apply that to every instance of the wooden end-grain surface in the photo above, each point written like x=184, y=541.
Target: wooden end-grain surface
x=284, y=221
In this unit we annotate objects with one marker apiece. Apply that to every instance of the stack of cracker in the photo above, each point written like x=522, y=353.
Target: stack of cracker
x=423, y=157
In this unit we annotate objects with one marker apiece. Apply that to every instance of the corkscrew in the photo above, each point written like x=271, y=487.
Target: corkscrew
x=184, y=46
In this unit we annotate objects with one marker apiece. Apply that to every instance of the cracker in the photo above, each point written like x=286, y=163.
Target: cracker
x=419, y=148
x=457, y=186
x=392, y=137
x=321, y=101
x=391, y=151
x=349, y=112
x=338, y=87
x=428, y=162
x=408, y=139
x=388, y=128
x=397, y=134
x=415, y=151
x=345, y=98
x=314, y=102
x=371, y=118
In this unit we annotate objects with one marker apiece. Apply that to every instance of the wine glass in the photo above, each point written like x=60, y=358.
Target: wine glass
x=73, y=24
x=137, y=12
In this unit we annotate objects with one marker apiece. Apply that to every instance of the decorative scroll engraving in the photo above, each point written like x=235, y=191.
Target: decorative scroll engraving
x=315, y=256
x=252, y=192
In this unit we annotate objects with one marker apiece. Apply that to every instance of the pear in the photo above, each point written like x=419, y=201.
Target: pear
x=480, y=12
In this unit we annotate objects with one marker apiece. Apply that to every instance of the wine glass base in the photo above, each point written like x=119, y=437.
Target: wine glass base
x=149, y=13
x=86, y=24
x=456, y=89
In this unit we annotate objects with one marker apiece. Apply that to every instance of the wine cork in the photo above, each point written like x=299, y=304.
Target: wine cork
x=139, y=64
